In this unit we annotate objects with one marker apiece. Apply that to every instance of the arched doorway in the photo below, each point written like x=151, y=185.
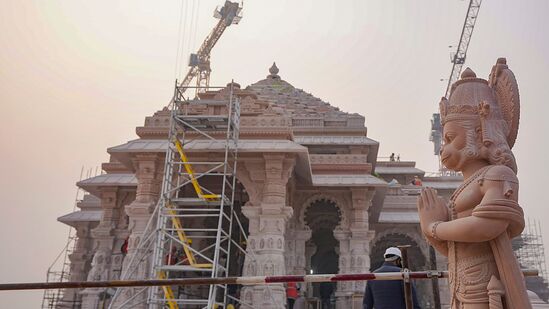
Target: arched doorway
x=322, y=217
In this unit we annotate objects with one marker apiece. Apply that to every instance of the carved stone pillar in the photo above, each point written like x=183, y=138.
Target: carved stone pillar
x=80, y=260
x=267, y=213
x=355, y=248
x=149, y=170
x=344, y=288
x=300, y=238
x=310, y=250
x=120, y=234
x=103, y=239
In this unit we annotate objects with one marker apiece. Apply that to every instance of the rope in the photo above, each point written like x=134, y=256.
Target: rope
x=196, y=23
x=191, y=25
x=181, y=38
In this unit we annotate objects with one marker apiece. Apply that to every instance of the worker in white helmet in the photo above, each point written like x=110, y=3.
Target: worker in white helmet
x=388, y=294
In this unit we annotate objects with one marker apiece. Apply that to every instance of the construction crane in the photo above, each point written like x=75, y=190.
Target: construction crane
x=457, y=59
x=199, y=62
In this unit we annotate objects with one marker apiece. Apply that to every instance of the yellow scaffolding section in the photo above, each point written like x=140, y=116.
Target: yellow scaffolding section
x=189, y=169
x=168, y=292
x=176, y=223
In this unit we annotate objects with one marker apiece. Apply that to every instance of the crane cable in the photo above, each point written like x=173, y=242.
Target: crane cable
x=180, y=37
x=187, y=33
x=196, y=23
x=191, y=26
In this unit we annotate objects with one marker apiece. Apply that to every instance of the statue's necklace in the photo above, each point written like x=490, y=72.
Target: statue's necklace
x=463, y=186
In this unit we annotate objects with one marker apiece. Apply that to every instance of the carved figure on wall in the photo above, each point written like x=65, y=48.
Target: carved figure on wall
x=248, y=297
x=252, y=269
x=269, y=268
x=99, y=270
x=475, y=229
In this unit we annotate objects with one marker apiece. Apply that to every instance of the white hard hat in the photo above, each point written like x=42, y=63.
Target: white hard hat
x=392, y=251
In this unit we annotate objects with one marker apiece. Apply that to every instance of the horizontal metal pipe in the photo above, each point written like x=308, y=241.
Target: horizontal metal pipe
x=257, y=280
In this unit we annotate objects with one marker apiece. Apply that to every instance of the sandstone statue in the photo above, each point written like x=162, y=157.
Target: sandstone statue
x=474, y=230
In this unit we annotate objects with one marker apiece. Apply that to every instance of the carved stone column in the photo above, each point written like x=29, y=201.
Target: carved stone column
x=344, y=289
x=355, y=248
x=310, y=250
x=103, y=239
x=300, y=238
x=268, y=213
x=149, y=170
x=80, y=260
x=120, y=234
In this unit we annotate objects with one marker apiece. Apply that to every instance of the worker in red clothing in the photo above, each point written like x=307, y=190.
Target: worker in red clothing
x=291, y=294
x=124, y=248
x=171, y=257
x=417, y=181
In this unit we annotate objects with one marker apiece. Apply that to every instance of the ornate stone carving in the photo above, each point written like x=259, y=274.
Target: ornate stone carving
x=480, y=124
x=339, y=159
x=265, y=121
x=149, y=169
x=338, y=200
x=251, y=174
x=100, y=267
x=265, y=181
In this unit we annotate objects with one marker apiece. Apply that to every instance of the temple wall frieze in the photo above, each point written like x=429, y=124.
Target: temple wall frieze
x=338, y=159
x=265, y=121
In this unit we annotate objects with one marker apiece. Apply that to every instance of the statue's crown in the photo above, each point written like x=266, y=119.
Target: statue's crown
x=495, y=103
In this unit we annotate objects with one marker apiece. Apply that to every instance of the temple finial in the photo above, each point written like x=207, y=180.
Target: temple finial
x=468, y=73
x=274, y=69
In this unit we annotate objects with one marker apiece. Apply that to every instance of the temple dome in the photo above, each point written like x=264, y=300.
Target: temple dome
x=295, y=101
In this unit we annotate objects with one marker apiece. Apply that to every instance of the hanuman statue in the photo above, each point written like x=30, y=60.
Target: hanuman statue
x=474, y=230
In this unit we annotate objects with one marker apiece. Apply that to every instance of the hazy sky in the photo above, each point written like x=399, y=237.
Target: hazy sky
x=77, y=77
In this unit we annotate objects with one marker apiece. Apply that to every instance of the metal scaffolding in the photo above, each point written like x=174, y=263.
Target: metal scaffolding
x=203, y=214
x=530, y=253
x=60, y=268
x=190, y=233
x=59, y=271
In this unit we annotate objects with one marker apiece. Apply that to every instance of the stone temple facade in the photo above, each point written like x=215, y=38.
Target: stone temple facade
x=313, y=196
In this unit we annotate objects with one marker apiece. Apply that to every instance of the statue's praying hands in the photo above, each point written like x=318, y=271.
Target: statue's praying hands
x=432, y=208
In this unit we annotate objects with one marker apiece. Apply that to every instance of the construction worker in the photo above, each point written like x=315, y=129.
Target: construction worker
x=388, y=294
x=291, y=294
x=124, y=247
x=171, y=257
x=417, y=181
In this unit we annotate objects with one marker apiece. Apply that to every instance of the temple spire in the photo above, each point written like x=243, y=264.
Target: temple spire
x=274, y=72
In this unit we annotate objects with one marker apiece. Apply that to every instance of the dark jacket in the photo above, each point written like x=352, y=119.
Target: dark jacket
x=387, y=294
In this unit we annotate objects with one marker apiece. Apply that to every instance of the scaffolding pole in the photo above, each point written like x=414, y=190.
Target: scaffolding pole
x=60, y=269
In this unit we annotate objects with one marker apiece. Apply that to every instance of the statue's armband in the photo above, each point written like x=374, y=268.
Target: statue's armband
x=504, y=179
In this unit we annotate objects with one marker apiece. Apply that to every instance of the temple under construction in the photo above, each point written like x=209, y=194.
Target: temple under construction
x=309, y=196
x=260, y=180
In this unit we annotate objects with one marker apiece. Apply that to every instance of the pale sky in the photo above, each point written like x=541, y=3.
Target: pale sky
x=77, y=77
